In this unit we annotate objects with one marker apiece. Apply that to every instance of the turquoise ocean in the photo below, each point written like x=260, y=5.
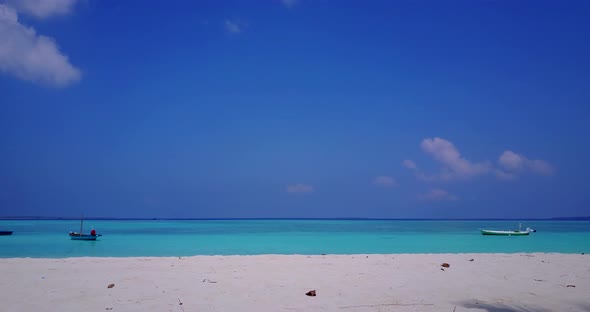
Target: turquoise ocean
x=126, y=238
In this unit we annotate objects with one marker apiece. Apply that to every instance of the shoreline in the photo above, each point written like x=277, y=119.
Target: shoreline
x=307, y=255
x=535, y=253
x=356, y=282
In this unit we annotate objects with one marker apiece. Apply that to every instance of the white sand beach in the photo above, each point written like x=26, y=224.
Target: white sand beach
x=398, y=282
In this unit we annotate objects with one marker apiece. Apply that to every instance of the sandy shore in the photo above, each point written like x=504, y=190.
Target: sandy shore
x=491, y=282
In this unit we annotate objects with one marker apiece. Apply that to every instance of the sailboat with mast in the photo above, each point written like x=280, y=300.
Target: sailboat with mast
x=81, y=236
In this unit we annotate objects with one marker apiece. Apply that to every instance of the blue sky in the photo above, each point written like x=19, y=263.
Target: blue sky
x=386, y=109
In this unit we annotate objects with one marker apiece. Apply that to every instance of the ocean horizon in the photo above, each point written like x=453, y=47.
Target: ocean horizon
x=140, y=237
x=570, y=218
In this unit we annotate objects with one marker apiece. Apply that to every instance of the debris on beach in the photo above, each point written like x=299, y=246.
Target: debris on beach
x=111, y=286
x=471, y=260
x=570, y=285
x=311, y=293
x=445, y=265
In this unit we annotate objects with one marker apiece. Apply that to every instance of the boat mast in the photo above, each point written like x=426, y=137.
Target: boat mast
x=81, y=222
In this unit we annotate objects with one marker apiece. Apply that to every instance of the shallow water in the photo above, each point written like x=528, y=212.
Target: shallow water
x=125, y=238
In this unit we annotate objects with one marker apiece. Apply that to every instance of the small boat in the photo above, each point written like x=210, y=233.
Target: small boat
x=81, y=236
x=518, y=232
x=5, y=232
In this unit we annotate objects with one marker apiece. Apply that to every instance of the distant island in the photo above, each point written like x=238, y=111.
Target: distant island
x=587, y=218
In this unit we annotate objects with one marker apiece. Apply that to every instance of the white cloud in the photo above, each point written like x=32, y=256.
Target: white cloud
x=232, y=27
x=385, y=181
x=409, y=164
x=455, y=166
x=541, y=167
x=8, y=14
x=299, y=188
x=438, y=195
x=43, y=8
x=289, y=3
x=512, y=161
x=505, y=176
x=33, y=57
x=512, y=164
